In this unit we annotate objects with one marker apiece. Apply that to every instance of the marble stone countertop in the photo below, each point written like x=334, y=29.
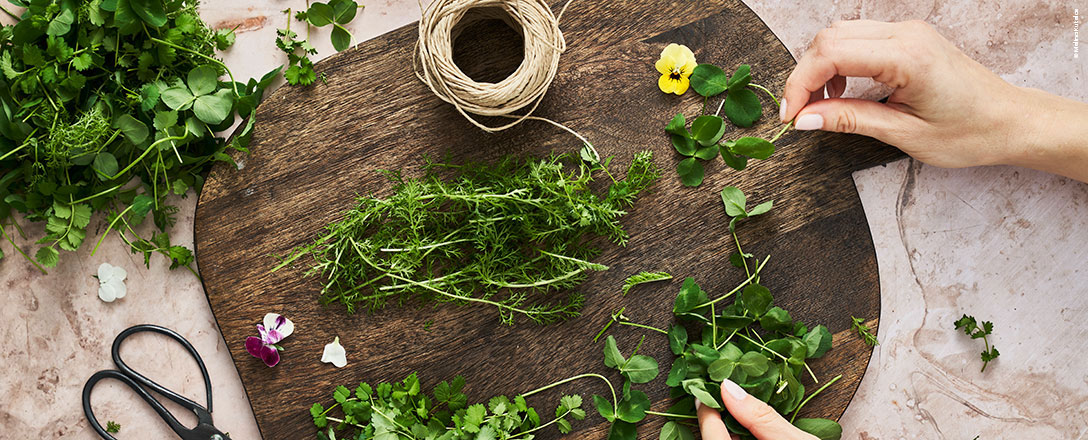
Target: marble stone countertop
x=1008, y=245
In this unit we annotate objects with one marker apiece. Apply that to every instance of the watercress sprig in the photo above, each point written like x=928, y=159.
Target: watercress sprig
x=971, y=328
x=858, y=324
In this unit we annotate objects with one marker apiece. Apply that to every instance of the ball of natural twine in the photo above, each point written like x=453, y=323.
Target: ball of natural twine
x=524, y=88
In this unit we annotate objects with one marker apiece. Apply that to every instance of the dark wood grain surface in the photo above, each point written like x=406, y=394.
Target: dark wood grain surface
x=315, y=148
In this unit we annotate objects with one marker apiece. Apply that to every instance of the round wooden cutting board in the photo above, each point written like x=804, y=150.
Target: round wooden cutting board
x=315, y=148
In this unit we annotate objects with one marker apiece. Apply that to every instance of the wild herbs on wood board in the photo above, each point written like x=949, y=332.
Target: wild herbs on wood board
x=489, y=233
x=112, y=106
x=750, y=342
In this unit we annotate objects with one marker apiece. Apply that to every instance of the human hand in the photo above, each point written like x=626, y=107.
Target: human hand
x=760, y=419
x=947, y=110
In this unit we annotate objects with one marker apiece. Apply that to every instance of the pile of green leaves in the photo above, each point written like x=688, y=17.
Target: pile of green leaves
x=338, y=13
x=110, y=106
x=703, y=141
x=751, y=342
x=401, y=410
x=971, y=328
x=486, y=233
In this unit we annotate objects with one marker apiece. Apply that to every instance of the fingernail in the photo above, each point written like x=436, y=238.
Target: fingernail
x=698, y=405
x=734, y=390
x=782, y=110
x=811, y=121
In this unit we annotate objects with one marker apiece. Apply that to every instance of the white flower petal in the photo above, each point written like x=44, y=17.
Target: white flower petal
x=335, y=354
x=121, y=289
x=108, y=292
x=284, y=330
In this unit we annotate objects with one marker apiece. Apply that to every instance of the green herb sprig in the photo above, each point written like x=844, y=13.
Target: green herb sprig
x=487, y=233
x=750, y=342
x=643, y=278
x=98, y=94
x=858, y=324
x=704, y=140
x=113, y=427
x=338, y=13
x=971, y=328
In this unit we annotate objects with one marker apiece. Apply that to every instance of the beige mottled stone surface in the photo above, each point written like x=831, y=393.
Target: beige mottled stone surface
x=1005, y=244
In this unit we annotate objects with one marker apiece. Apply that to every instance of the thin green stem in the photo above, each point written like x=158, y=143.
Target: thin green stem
x=10, y=14
x=110, y=227
x=678, y=416
x=781, y=132
x=96, y=195
x=738, y=288
x=776, y=103
x=609, y=323
x=810, y=396
x=740, y=251
x=142, y=156
x=647, y=327
x=19, y=249
x=615, y=402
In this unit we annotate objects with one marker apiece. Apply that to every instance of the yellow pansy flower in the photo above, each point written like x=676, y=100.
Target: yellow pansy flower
x=676, y=64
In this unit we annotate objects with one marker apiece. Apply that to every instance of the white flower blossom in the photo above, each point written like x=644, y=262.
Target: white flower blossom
x=111, y=282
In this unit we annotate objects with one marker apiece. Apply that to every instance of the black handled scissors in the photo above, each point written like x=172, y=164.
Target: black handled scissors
x=204, y=429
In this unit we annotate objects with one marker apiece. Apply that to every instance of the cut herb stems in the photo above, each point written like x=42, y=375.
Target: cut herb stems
x=490, y=234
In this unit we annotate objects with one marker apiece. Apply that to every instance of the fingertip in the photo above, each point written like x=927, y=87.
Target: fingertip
x=711, y=425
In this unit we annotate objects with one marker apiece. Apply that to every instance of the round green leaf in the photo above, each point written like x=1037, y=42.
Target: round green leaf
x=633, y=408
x=753, y=363
x=697, y=388
x=709, y=80
x=741, y=77
x=823, y=429
x=683, y=145
x=612, y=356
x=676, y=431
x=622, y=430
x=817, y=341
x=705, y=128
x=213, y=109
x=733, y=161
x=640, y=369
x=677, y=373
x=734, y=201
x=177, y=98
x=343, y=11
x=755, y=299
x=165, y=119
x=756, y=148
x=721, y=369
x=777, y=319
x=691, y=172
x=678, y=338
x=676, y=126
x=105, y=164
x=707, y=153
x=61, y=24
x=202, y=80
x=150, y=11
x=320, y=14
x=604, y=408
x=341, y=38
x=134, y=129
x=742, y=107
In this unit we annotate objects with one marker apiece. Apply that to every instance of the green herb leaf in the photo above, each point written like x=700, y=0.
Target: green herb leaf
x=106, y=165
x=697, y=388
x=753, y=363
x=691, y=172
x=604, y=408
x=677, y=126
x=633, y=409
x=320, y=14
x=707, y=129
x=707, y=153
x=640, y=368
x=733, y=161
x=755, y=300
x=677, y=373
x=612, y=356
x=817, y=341
x=61, y=24
x=150, y=11
x=113, y=427
x=735, y=202
x=742, y=107
x=134, y=129
x=709, y=80
x=823, y=429
x=47, y=256
x=690, y=297
x=741, y=78
x=622, y=430
x=678, y=337
x=721, y=369
x=341, y=38
x=675, y=431
x=756, y=148
x=684, y=145
x=202, y=80
x=213, y=109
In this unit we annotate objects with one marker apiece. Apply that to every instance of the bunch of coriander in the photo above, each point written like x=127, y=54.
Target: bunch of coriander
x=110, y=106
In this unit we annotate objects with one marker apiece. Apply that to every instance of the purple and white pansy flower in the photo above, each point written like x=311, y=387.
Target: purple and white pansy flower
x=274, y=329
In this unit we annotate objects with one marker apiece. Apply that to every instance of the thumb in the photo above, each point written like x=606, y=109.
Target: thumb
x=760, y=419
x=860, y=116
